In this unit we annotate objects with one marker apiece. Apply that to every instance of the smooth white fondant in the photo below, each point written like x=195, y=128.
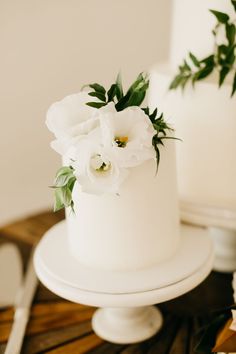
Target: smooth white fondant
x=108, y=281
x=192, y=25
x=137, y=228
x=204, y=118
x=51, y=277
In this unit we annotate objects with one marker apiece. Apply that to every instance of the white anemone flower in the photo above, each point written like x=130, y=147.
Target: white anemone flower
x=96, y=168
x=129, y=133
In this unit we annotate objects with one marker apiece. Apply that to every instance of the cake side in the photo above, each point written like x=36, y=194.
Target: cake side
x=206, y=171
x=133, y=230
x=192, y=25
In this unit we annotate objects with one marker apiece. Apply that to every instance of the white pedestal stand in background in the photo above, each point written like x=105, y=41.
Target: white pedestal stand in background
x=221, y=223
x=125, y=297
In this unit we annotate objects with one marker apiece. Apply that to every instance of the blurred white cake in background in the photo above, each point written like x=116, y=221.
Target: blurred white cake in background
x=205, y=119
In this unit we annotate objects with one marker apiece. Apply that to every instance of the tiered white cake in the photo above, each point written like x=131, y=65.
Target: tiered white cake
x=133, y=230
x=126, y=214
x=204, y=117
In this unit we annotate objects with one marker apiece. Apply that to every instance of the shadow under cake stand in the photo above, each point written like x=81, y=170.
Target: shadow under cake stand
x=126, y=315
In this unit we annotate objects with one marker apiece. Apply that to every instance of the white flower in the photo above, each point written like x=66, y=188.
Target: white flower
x=64, y=117
x=96, y=169
x=71, y=118
x=129, y=133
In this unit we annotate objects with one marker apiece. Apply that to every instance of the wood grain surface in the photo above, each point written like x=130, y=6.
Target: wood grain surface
x=57, y=326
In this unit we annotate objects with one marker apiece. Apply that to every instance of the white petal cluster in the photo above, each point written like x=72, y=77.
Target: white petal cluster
x=102, y=144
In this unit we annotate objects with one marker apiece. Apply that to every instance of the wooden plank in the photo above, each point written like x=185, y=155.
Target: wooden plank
x=181, y=340
x=6, y=314
x=107, y=348
x=45, y=309
x=31, y=229
x=79, y=346
x=161, y=343
x=139, y=348
x=55, y=338
x=46, y=323
x=43, y=294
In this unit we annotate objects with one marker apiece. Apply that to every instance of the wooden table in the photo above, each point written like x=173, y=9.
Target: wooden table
x=58, y=326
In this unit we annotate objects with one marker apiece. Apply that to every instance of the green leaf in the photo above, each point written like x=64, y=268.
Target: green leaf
x=176, y=82
x=223, y=73
x=221, y=16
x=230, y=33
x=58, y=199
x=111, y=93
x=194, y=60
x=98, y=88
x=119, y=87
x=62, y=180
x=64, y=170
x=96, y=104
x=99, y=95
x=233, y=2
x=203, y=73
x=234, y=86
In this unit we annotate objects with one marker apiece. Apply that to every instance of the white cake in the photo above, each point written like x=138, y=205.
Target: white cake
x=133, y=230
x=204, y=117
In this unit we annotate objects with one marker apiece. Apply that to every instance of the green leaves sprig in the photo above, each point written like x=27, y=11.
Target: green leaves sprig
x=161, y=128
x=223, y=58
x=133, y=97
x=65, y=178
x=63, y=185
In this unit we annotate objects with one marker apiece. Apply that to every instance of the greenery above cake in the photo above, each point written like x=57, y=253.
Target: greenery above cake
x=221, y=60
x=101, y=136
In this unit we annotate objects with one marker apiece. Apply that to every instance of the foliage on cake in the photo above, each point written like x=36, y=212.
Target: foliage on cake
x=221, y=60
x=101, y=136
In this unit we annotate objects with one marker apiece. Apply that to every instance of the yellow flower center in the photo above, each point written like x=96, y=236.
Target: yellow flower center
x=121, y=141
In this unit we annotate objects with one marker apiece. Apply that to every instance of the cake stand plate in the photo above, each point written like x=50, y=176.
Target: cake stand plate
x=125, y=317
x=221, y=224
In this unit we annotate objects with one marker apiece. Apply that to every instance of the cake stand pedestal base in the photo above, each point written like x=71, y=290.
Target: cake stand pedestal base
x=125, y=315
x=127, y=325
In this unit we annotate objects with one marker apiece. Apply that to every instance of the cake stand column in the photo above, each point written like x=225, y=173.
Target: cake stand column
x=224, y=241
x=127, y=325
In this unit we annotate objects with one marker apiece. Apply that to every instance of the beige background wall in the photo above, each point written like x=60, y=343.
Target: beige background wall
x=49, y=49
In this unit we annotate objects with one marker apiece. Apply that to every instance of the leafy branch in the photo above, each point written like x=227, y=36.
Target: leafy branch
x=222, y=59
x=133, y=97
x=161, y=128
x=63, y=186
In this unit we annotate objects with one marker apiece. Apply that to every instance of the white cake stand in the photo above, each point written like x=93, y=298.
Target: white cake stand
x=221, y=223
x=124, y=297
